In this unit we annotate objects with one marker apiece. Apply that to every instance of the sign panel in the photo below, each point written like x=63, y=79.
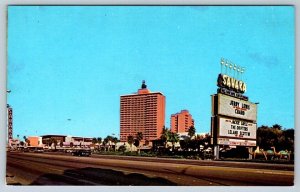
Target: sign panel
x=231, y=83
x=10, y=123
x=236, y=142
x=234, y=107
x=234, y=128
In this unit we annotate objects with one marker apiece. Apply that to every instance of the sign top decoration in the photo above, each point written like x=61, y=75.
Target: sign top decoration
x=235, y=70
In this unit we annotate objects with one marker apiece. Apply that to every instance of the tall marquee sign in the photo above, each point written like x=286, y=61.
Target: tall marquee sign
x=10, y=122
x=234, y=117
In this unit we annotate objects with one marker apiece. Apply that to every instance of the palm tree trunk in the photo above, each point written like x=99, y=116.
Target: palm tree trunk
x=173, y=146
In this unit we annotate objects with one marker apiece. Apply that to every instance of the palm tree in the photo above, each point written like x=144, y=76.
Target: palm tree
x=165, y=135
x=53, y=141
x=105, y=141
x=139, y=137
x=130, y=141
x=277, y=126
x=27, y=142
x=108, y=140
x=94, y=140
x=173, y=138
x=115, y=141
x=47, y=142
x=99, y=140
x=192, y=131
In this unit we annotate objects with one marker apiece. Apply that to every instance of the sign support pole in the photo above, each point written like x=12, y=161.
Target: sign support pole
x=250, y=149
x=216, y=152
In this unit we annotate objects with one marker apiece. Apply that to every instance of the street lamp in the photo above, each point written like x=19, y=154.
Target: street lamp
x=8, y=91
x=83, y=142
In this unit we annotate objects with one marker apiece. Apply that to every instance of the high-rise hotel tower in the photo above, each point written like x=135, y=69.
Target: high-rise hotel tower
x=181, y=122
x=142, y=112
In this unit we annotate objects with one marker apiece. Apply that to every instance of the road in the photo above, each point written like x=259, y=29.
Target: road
x=55, y=169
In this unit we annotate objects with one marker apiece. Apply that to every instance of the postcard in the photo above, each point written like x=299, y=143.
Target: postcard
x=150, y=95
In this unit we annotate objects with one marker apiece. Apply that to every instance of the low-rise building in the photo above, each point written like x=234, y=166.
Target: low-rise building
x=34, y=141
x=66, y=140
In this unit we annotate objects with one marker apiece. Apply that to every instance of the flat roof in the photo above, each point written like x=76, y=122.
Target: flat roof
x=54, y=135
x=136, y=94
x=82, y=137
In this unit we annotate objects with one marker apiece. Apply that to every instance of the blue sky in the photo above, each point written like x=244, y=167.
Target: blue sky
x=75, y=62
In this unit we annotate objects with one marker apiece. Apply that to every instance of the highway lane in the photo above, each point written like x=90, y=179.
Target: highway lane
x=50, y=169
x=256, y=165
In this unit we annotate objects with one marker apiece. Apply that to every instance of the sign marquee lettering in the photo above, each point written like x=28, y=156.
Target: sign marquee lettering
x=236, y=142
x=238, y=108
x=236, y=128
x=232, y=93
x=231, y=83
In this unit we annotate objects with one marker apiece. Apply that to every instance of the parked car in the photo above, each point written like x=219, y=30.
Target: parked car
x=81, y=152
x=38, y=151
x=69, y=151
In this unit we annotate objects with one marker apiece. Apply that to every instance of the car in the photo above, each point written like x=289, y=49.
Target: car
x=38, y=151
x=24, y=149
x=69, y=151
x=81, y=152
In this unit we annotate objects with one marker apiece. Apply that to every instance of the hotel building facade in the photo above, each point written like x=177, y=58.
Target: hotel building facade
x=142, y=112
x=181, y=122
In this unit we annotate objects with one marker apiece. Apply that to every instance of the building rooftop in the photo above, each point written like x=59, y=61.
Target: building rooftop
x=56, y=135
x=132, y=94
x=53, y=135
x=142, y=91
